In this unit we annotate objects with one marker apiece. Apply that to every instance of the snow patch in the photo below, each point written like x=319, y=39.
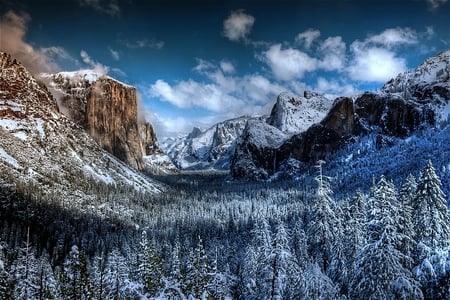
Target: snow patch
x=9, y=159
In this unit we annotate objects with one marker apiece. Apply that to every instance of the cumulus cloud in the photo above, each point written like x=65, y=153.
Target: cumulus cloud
x=434, y=4
x=374, y=64
x=238, y=25
x=306, y=38
x=376, y=58
x=333, y=50
x=96, y=66
x=333, y=88
x=111, y=7
x=289, y=63
x=144, y=43
x=13, y=28
x=222, y=93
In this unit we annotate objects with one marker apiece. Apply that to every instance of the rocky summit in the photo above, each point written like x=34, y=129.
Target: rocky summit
x=108, y=110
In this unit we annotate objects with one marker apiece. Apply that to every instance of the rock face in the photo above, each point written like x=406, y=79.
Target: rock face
x=211, y=148
x=411, y=100
x=42, y=147
x=107, y=109
x=293, y=114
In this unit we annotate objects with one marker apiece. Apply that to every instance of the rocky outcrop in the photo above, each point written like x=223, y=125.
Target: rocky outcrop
x=107, y=109
x=210, y=148
x=294, y=114
x=41, y=147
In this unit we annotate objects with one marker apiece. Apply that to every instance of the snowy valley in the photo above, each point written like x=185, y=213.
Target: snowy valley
x=324, y=199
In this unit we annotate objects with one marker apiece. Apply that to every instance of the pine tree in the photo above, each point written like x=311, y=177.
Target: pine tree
x=75, y=277
x=150, y=266
x=116, y=275
x=431, y=214
x=316, y=285
x=5, y=280
x=197, y=272
x=380, y=270
x=26, y=273
x=323, y=225
x=282, y=263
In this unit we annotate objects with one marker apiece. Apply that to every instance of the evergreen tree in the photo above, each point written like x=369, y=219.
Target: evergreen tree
x=26, y=273
x=150, y=266
x=116, y=275
x=380, y=271
x=75, y=277
x=197, y=272
x=5, y=280
x=323, y=225
x=316, y=285
x=432, y=225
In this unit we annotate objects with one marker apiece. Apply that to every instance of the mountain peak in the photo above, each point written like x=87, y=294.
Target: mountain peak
x=294, y=114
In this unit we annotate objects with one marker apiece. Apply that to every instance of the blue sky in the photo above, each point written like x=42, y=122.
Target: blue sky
x=195, y=63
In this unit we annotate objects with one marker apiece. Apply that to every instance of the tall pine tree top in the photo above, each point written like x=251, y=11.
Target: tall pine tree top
x=431, y=212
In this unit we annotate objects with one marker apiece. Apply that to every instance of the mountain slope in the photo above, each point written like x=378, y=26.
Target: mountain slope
x=41, y=147
x=211, y=148
x=405, y=104
x=108, y=110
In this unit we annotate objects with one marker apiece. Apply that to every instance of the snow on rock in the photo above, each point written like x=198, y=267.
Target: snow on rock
x=51, y=151
x=9, y=159
x=211, y=148
x=294, y=114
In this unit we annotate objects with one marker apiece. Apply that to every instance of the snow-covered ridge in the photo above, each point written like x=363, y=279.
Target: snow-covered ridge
x=88, y=75
x=210, y=148
x=432, y=71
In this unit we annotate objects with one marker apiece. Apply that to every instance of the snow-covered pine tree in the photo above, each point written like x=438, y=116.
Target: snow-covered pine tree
x=116, y=275
x=197, y=272
x=150, y=266
x=431, y=221
x=282, y=263
x=74, y=277
x=323, y=225
x=316, y=285
x=26, y=273
x=380, y=271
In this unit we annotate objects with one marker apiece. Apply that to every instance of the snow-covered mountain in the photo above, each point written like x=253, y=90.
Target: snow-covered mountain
x=215, y=147
x=428, y=83
x=108, y=110
x=41, y=147
x=294, y=114
x=211, y=148
x=410, y=101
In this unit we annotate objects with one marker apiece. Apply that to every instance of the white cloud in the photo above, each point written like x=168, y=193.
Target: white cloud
x=394, y=37
x=333, y=50
x=238, y=25
x=374, y=64
x=306, y=38
x=335, y=88
x=224, y=95
x=434, y=4
x=376, y=59
x=144, y=43
x=96, y=66
x=288, y=64
x=13, y=28
x=114, y=53
x=110, y=7
x=227, y=67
